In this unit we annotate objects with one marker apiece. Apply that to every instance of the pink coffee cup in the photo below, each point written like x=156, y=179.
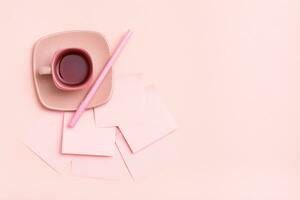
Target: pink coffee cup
x=71, y=69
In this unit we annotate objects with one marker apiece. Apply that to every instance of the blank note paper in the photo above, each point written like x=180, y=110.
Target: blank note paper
x=149, y=161
x=44, y=139
x=126, y=101
x=138, y=111
x=112, y=168
x=126, y=136
x=87, y=139
x=151, y=124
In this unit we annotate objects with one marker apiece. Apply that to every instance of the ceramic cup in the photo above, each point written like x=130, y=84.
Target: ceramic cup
x=71, y=69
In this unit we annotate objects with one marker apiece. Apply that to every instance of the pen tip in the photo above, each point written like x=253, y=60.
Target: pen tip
x=70, y=125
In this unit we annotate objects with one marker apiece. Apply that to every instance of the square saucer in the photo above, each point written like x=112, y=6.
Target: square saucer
x=48, y=94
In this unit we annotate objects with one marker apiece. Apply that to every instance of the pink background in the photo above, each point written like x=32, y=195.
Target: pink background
x=228, y=70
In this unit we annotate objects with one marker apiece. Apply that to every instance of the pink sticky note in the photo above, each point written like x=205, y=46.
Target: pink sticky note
x=44, y=139
x=87, y=139
x=152, y=123
x=112, y=168
x=152, y=160
x=126, y=101
x=139, y=112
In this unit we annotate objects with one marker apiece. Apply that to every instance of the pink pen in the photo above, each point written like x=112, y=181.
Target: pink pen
x=87, y=99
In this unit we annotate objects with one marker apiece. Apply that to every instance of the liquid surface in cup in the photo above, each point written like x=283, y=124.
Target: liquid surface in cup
x=74, y=68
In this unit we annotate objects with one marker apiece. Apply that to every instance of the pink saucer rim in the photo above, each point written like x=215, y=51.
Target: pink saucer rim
x=53, y=108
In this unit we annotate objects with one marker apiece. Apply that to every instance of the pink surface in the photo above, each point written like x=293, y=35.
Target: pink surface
x=86, y=138
x=228, y=72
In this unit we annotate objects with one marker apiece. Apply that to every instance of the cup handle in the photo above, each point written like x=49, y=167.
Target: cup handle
x=44, y=70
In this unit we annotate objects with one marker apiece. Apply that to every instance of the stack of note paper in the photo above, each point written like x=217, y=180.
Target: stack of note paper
x=122, y=138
